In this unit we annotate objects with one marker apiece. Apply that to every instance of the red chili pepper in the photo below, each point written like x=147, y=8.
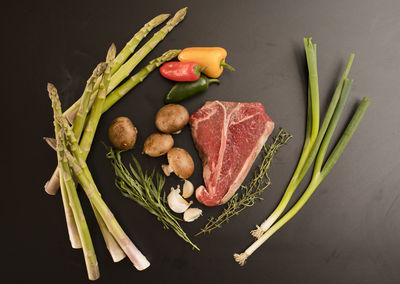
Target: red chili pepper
x=181, y=71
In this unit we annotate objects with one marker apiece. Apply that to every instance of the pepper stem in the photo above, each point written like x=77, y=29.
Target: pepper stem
x=226, y=65
x=198, y=69
x=213, y=81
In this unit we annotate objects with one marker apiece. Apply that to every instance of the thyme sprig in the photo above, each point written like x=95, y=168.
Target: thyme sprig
x=146, y=190
x=251, y=192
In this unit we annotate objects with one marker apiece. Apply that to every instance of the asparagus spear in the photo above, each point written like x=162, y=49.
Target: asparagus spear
x=97, y=108
x=134, y=42
x=73, y=200
x=69, y=217
x=113, y=247
x=87, y=245
x=122, y=56
x=79, y=167
x=83, y=110
x=128, y=66
x=129, y=84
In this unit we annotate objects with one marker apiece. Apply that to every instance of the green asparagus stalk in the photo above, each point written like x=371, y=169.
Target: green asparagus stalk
x=128, y=66
x=83, y=110
x=129, y=84
x=52, y=186
x=299, y=174
x=121, y=57
x=69, y=217
x=97, y=108
x=79, y=167
x=134, y=42
x=87, y=245
x=113, y=247
x=73, y=200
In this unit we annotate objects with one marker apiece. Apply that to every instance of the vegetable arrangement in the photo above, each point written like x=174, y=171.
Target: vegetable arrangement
x=196, y=69
x=315, y=146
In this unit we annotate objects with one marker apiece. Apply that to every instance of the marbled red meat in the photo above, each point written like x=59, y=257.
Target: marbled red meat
x=228, y=137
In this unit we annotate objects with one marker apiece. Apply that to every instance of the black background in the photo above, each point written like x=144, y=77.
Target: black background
x=348, y=232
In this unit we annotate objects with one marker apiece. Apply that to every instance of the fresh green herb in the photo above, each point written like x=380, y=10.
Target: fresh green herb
x=253, y=191
x=316, y=151
x=146, y=190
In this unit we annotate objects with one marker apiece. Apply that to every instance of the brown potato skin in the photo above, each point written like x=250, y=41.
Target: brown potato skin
x=171, y=118
x=181, y=162
x=122, y=133
x=158, y=144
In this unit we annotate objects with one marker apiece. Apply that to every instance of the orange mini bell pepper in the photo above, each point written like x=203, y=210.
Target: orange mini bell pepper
x=211, y=57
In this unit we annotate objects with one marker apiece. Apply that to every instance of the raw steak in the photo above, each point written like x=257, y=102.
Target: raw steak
x=228, y=137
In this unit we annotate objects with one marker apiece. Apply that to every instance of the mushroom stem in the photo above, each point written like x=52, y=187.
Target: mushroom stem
x=167, y=169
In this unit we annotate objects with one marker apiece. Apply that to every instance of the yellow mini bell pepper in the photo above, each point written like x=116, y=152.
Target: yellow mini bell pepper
x=211, y=57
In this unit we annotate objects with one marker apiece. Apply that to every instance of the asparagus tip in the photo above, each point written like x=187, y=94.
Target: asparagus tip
x=111, y=53
x=99, y=69
x=51, y=88
x=163, y=17
x=181, y=12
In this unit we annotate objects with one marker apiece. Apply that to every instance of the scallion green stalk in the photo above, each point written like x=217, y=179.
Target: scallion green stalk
x=317, y=152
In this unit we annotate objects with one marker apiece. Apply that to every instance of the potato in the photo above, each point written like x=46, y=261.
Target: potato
x=158, y=144
x=122, y=133
x=172, y=118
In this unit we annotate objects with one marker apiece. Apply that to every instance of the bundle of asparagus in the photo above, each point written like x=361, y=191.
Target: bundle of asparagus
x=75, y=130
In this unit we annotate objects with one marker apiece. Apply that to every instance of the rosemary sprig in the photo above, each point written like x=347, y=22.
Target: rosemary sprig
x=252, y=192
x=146, y=190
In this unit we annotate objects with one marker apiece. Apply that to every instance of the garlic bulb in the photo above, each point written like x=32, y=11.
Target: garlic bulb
x=176, y=202
x=192, y=214
x=188, y=189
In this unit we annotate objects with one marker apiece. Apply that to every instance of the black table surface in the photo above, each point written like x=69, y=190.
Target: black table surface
x=348, y=232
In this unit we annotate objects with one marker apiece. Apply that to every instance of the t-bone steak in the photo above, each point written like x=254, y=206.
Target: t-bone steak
x=228, y=137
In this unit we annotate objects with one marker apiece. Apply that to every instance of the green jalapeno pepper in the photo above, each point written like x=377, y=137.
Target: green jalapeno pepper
x=184, y=90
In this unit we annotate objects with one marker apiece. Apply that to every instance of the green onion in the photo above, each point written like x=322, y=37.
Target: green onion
x=312, y=150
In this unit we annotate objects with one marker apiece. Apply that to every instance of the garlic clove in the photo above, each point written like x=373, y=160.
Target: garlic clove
x=176, y=202
x=192, y=214
x=188, y=189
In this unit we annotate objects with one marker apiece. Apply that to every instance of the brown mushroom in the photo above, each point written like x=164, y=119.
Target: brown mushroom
x=122, y=133
x=172, y=118
x=180, y=163
x=158, y=144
